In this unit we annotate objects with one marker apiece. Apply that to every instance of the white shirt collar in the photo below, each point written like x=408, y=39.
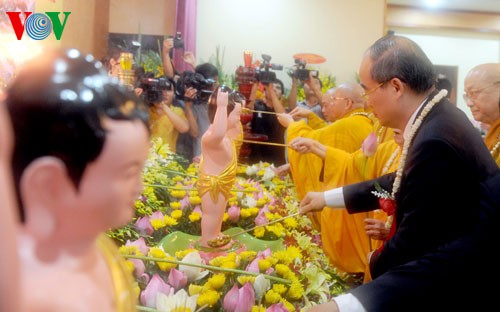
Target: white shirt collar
x=406, y=133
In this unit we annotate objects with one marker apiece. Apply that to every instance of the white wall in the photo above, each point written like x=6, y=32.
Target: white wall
x=338, y=30
x=458, y=50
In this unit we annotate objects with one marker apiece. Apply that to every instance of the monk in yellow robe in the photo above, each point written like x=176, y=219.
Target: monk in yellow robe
x=344, y=107
x=481, y=94
x=347, y=242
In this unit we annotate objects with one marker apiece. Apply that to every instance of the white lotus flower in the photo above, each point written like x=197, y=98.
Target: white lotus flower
x=261, y=286
x=193, y=273
x=179, y=301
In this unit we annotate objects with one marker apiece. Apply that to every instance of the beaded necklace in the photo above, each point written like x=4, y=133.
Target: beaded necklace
x=496, y=146
x=389, y=162
x=399, y=173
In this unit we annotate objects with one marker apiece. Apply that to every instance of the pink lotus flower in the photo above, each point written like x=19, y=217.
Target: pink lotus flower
x=369, y=145
x=261, y=217
x=185, y=202
x=177, y=279
x=143, y=226
x=156, y=285
x=240, y=300
x=141, y=245
x=140, y=270
x=233, y=213
x=254, y=265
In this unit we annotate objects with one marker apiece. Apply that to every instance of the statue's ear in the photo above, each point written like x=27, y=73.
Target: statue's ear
x=45, y=189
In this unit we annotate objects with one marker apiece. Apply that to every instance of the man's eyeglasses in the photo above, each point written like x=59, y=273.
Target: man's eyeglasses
x=472, y=95
x=367, y=93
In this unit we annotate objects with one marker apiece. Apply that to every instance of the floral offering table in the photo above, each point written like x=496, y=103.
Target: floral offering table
x=278, y=265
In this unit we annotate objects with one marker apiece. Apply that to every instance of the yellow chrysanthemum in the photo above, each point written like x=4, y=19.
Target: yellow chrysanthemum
x=245, y=213
x=254, y=211
x=156, y=252
x=158, y=223
x=194, y=216
x=295, y=291
x=264, y=264
x=259, y=232
x=166, y=266
x=248, y=255
x=182, y=253
x=259, y=309
x=271, y=207
x=177, y=178
x=175, y=205
x=170, y=221
x=291, y=223
x=216, y=281
x=194, y=200
x=130, y=250
x=287, y=305
x=277, y=229
x=280, y=288
x=282, y=269
x=272, y=297
x=178, y=193
x=176, y=214
x=291, y=276
x=243, y=279
x=225, y=217
x=194, y=289
x=217, y=261
x=229, y=264
x=293, y=252
x=208, y=297
x=261, y=172
x=261, y=202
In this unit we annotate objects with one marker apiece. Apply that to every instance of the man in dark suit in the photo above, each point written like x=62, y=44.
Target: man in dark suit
x=436, y=190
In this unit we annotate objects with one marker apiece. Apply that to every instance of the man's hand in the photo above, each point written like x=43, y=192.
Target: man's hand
x=282, y=170
x=189, y=58
x=376, y=229
x=313, y=201
x=302, y=145
x=190, y=94
x=168, y=44
x=300, y=112
x=285, y=119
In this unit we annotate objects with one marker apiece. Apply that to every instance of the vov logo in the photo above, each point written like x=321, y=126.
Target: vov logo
x=38, y=26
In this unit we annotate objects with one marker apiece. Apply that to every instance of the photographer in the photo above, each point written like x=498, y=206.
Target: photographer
x=267, y=124
x=312, y=91
x=166, y=120
x=199, y=107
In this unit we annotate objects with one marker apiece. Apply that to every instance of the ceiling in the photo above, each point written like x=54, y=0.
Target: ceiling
x=492, y=6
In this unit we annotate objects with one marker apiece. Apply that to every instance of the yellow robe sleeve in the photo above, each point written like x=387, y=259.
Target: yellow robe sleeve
x=315, y=122
x=306, y=169
x=343, y=235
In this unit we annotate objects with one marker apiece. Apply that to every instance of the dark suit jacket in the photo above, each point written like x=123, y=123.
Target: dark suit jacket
x=462, y=275
x=440, y=189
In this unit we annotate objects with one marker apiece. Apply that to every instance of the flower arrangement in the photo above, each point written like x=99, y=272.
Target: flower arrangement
x=290, y=278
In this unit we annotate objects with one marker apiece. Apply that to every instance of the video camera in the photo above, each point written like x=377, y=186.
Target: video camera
x=203, y=86
x=300, y=71
x=263, y=73
x=153, y=87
